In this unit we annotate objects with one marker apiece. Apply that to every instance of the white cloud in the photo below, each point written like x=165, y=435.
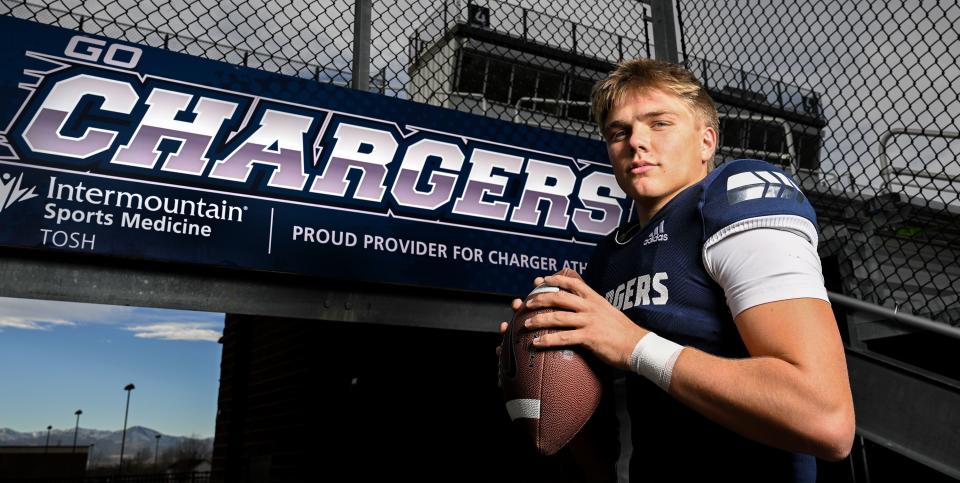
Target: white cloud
x=199, y=331
x=26, y=314
x=32, y=323
x=56, y=313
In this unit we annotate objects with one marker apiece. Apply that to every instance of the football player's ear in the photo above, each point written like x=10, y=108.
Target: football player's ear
x=708, y=144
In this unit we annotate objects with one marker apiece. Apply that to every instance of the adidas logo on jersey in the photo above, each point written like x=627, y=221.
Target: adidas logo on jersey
x=657, y=235
x=751, y=185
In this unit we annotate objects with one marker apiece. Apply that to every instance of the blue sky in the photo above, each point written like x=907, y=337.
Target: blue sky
x=58, y=357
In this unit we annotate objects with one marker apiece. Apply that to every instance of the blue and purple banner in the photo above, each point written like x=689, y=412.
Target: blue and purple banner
x=136, y=152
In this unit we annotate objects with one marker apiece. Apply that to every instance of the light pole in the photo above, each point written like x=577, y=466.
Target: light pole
x=46, y=447
x=123, y=440
x=156, y=453
x=75, y=430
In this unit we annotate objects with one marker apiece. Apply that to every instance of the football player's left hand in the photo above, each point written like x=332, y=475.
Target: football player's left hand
x=592, y=321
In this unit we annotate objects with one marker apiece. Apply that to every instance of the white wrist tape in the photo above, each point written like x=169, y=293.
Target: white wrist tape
x=654, y=358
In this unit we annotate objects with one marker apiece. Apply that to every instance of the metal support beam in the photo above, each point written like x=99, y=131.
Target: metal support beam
x=144, y=284
x=361, y=45
x=912, y=413
x=664, y=31
x=866, y=327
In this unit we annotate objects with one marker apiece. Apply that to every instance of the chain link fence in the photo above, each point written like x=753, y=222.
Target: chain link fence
x=870, y=92
x=859, y=100
x=529, y=62
x=303, y=39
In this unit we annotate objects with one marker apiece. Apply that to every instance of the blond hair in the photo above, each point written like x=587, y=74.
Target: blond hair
x=641, y=74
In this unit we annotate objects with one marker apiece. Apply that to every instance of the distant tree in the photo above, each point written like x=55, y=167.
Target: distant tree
x=192, y=449
x=168, y=456
x=142, y=456
x=139, y=462
x=95, y=457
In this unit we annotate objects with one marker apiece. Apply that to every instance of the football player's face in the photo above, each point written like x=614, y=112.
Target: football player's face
x=658, y=147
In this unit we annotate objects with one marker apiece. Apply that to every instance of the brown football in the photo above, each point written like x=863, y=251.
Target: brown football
x=550, y=393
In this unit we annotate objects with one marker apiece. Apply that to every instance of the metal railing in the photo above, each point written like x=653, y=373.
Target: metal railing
x=790, y=157
x=890, y=173
x=755, y=88
x=541, y=100
x=169, y=477
x=529, y=24
x=907, y=319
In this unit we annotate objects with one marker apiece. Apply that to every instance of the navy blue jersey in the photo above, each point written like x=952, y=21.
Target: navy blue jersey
x=655, y=274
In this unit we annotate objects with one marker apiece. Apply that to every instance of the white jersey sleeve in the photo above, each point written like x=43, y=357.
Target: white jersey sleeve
x=765, y=263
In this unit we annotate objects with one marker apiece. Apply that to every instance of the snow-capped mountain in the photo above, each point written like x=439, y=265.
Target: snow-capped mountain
x=105, y=443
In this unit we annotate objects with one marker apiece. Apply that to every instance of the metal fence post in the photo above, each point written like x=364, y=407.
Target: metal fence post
x=361, y=46
x=574, y=32
x=524, y=25
x=664, y=31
